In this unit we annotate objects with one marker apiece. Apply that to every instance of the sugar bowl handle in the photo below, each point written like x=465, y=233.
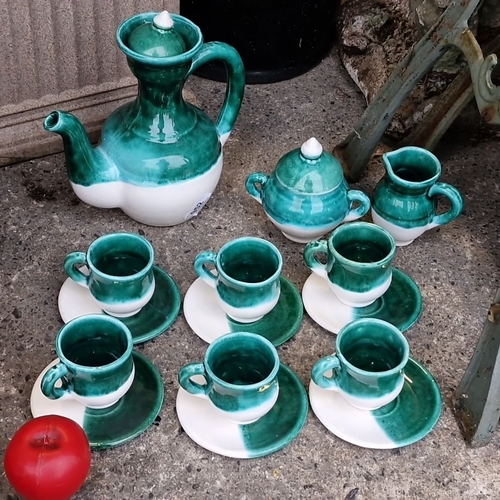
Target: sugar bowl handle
x=254, y=180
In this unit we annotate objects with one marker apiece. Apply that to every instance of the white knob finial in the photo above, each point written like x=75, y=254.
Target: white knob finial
x=163, y=20
x=311, y=149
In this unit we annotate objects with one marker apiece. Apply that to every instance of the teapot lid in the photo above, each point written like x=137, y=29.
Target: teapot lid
x=309, y=169
x=158, y=38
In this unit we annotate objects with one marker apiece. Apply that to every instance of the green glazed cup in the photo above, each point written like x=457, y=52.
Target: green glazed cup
x=95, y=362
x=240, y=373
x=120, y=275
x=358, y=262
x=368, y=366
x=247, y=282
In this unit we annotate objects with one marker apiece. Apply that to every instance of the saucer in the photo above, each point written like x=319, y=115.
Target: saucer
x=116, y=425
x=209, y=321
x=270, y=433
x=409, y=418
x=154, y=318
x=401, y=305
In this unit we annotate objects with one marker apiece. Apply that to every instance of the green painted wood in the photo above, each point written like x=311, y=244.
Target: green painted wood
x=477, y=398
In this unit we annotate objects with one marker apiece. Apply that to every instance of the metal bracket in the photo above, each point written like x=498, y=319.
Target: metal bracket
x=451, y=29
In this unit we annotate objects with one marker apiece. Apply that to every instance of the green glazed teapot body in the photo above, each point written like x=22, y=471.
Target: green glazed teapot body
x=159, y=158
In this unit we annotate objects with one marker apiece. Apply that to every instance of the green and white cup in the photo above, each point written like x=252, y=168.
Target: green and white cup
x=247, y=281
x=120, y=272
x=241, y=376
x=95, y=362
x=367, y=368
x=358, y=264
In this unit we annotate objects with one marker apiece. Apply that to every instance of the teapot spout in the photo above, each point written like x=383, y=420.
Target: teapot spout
x=85, y=165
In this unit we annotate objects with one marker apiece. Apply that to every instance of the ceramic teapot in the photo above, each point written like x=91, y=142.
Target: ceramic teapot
x=159, y=158
x=404, y=201
x=307, y=196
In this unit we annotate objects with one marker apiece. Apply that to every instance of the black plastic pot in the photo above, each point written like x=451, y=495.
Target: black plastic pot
x=277, y=39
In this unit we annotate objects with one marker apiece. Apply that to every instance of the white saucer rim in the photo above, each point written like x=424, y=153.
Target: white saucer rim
x=209, y=337
x=242, y=453
x=315, y=389
x=94, y=309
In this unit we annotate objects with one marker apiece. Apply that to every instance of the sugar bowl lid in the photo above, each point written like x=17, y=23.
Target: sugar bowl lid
x=309, y=169
x=157, y=38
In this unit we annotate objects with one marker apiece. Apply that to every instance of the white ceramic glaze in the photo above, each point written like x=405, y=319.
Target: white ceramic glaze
x=127, y=309
x=272, y=432
x=42, y=405
x=355, y=299
x=163, y=20
x=323, y=306
x=247, y=314
x=209, y=321
x=153, y=319
x=101, y=402
x=409, y=418
x=402, y=236
x=301, y=234
x=174, y=203
x=107, y=428
x=401, y=305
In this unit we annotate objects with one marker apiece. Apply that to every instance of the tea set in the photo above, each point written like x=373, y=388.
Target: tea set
x=159, y=160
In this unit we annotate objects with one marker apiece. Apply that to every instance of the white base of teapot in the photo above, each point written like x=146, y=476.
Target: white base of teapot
x=166, y=205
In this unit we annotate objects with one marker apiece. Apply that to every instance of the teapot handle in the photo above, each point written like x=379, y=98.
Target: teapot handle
x=212, y=51
x=456, y=201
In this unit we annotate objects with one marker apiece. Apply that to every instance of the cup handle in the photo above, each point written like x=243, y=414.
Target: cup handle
x=71, y=261
x=310, y=251
x=220, y=51
x=200, y=266
x=50, y=378
x=354, y=195
x=190, y=370
x=257, y=178
x=319, y=369
x=457, y=203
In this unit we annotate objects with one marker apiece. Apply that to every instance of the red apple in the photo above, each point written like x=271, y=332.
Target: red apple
x=48, y=458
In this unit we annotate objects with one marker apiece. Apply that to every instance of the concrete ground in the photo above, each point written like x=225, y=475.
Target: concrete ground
x=456, y=268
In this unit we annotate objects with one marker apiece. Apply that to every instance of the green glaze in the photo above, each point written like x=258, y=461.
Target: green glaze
x=121, y=269
x=401, y=305
x=159, y=313
x=157, y=39
x=158, y=138
x=407, y=195
x=133, y=413
x=359, y=257
x=240, y=371
x=307, y=190
x=248, y=272
x=282, y=424
x=95, y=353
x=282, y=322
x=369, y=361
x=416, y=410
